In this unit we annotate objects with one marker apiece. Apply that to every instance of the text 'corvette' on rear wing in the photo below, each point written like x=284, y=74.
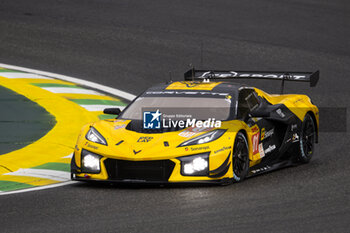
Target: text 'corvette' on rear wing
x=204, y=75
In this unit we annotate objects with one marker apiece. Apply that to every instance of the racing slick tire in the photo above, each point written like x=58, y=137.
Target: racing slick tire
x=307, y=139
x=240, y=158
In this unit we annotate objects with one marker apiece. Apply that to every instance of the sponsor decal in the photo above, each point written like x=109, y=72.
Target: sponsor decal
x=185, y=93
x=186, y=134
x=267, y=134
x=255, y=138
x=119, y=121
x=280, y=113
x=261, y=169
x=76, y=147
x=261, y=150
x=119, y=126
x=198, y=148
x=222, y=149
x=300, y=99
x=191, y=85
x=144, y=139
x=295, y=137
x=255, y=129
x=92, y=146
x=262, y=132
x=230, y=74
x=270, y=149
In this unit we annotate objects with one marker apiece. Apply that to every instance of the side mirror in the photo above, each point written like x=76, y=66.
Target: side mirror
x=260, y=112
x=112, y=111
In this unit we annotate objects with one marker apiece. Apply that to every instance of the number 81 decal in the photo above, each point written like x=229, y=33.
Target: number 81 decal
x=255, y=139
x=255, y=142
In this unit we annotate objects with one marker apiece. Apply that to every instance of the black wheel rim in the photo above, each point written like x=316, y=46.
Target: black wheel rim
x=240, y=156
x=308, y=137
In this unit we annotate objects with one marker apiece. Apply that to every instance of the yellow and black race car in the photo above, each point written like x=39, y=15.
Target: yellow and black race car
x=200, y=130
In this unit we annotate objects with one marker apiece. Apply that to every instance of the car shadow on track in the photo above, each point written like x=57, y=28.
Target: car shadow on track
x=283, y=171
x=111, y=185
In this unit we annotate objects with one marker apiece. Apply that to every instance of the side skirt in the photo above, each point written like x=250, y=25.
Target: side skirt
x=269, y=168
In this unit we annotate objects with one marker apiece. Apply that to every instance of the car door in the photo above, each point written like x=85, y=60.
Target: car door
x=264, y=141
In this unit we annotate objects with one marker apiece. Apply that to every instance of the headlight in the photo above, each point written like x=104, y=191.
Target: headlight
x=204, y=138
x=94, y=136
x=90, y=162
x=195, y=165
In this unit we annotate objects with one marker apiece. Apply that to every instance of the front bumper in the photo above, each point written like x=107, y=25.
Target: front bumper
x=154, y=171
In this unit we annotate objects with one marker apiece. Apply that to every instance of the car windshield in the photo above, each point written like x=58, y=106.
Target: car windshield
x=200, y=108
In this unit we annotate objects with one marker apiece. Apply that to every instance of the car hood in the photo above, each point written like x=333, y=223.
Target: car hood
x=131, y=145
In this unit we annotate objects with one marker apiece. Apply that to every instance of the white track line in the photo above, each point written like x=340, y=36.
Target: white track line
x=71, y=90
x=96, y=107
x=42, y=173
x=37, y=188
x=97, y=86
x=21, y=75
x=82, y=82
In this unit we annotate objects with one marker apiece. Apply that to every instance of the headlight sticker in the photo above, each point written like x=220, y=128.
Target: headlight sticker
x=191, y=131
x=204, y=138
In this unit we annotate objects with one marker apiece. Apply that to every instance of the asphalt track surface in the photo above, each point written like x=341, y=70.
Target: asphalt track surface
x=132, y=44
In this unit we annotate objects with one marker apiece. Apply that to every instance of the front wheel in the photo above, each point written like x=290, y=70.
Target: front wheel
x=240, y=158
x=307, y=139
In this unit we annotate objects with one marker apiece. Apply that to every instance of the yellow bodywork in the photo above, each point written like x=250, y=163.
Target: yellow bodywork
x=154, y=149
x=298, y=104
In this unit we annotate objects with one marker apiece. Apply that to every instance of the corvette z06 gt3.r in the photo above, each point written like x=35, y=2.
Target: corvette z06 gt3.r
x=203, y=129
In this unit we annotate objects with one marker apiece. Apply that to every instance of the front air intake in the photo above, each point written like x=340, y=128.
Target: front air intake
x=157, y=170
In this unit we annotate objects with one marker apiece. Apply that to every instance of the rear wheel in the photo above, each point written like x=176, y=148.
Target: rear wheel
x=240, y=158
x=307, y=139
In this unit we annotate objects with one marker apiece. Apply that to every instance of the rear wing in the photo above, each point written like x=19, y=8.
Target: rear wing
x=207, y=75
